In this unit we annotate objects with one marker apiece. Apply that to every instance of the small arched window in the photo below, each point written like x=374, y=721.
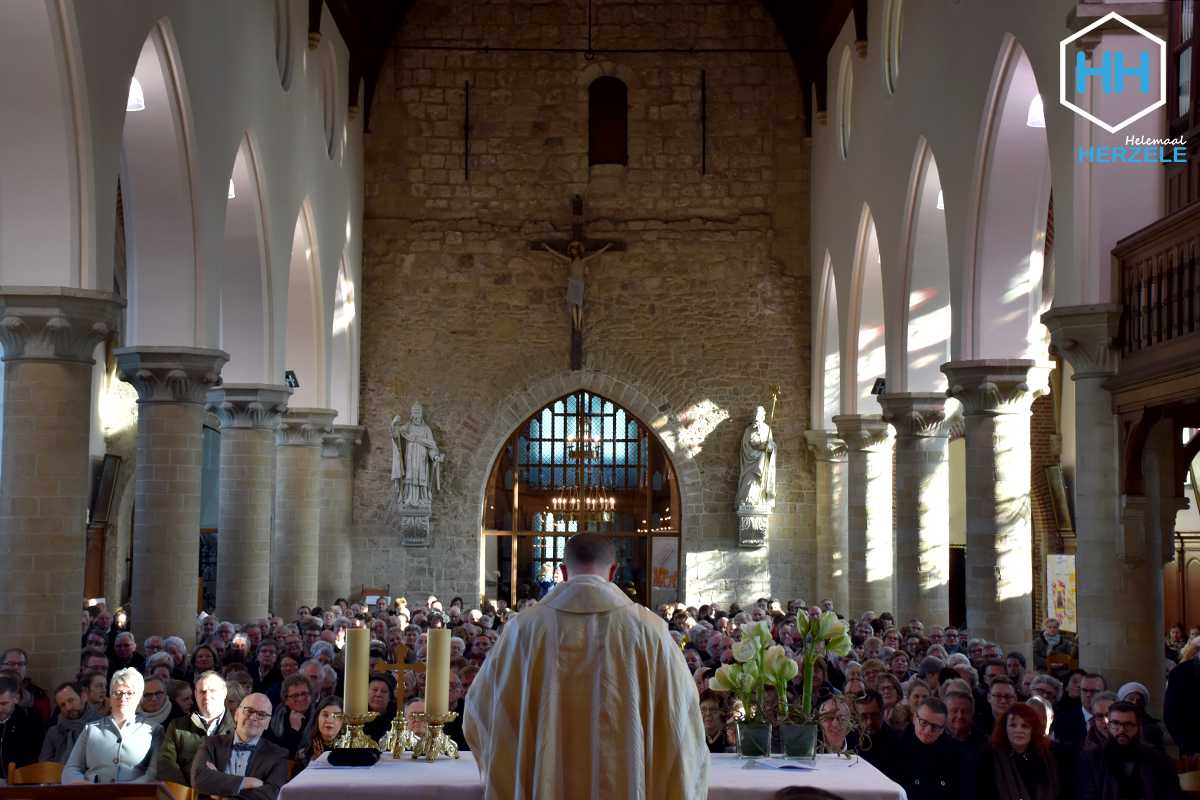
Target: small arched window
x=608, y=121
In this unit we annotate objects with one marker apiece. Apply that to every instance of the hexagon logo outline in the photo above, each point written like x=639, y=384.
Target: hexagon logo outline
x=1162, y=72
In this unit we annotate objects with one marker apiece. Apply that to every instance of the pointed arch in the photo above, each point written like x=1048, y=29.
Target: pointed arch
x=827, y=367
x=865, y=348
x=246, y=330
x=925, y=302
x=42, y=196
x=304, y=347
x=165, y=277
x=1006, y=219
x=329, y=96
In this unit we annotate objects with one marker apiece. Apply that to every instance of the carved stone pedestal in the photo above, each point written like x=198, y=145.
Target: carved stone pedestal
x=753, y=526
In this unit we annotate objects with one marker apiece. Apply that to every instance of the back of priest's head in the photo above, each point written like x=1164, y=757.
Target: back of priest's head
x=590, y=554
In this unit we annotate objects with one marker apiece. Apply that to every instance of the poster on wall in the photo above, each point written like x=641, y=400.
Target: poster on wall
x=665, y=562
x=1060, y=591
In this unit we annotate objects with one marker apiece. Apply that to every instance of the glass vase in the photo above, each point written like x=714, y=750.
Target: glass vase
x=753, y=739
x=799, y=740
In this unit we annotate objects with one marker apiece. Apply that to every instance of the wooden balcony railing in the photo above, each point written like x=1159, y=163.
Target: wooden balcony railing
x=1157, y=281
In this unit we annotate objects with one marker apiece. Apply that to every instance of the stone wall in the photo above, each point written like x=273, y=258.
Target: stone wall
x=688, y=327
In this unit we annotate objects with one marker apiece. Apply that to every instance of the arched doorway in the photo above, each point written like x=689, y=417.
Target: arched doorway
x=581, y=463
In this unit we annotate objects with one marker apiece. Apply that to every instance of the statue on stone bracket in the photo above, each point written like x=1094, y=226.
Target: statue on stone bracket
x=756, y=481
x=416, y=474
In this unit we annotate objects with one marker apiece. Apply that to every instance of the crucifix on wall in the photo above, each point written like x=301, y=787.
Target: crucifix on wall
x=575, y=253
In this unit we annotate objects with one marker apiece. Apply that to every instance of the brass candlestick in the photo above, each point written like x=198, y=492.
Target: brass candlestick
x=435, y=743
x=398, y=738
x=352, y=734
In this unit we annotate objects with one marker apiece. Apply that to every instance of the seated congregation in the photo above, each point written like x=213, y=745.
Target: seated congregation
x=938, y=712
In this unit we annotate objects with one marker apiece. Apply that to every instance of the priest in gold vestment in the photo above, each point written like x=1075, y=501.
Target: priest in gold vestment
x=585, y=695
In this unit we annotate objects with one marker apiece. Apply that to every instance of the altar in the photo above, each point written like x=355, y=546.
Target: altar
x=729, y=778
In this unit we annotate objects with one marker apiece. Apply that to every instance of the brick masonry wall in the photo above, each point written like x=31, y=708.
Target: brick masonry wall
x=707, y=307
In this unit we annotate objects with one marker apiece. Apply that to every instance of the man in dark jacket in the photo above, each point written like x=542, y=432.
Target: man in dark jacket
x=73, y=714
x=185, y=735
x=927, y=763
x=876, y=739
x=20, y=728
x=1125, y=768
x=1180, y=705
x=242, y=764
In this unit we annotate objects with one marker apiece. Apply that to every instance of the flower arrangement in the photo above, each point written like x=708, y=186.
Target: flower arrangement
x=816, y=637
x=758, y=663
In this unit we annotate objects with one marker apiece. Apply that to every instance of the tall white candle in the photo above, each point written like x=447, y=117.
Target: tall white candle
x=358, y=667
x=437, y=673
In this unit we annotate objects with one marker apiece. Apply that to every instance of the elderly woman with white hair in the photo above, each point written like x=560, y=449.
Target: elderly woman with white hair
x=118, y=748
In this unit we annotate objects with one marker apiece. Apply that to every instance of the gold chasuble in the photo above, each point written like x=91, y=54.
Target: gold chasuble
x=585, y=695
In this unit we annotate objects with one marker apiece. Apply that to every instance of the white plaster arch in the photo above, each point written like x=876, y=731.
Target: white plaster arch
x=1006, y=227
x=924, y=306
x=656, y=413
x=165, y=275
x=246, y=329
x=893, y=37
x=330, y=97
x=41, y=203
x=343, y=367
x=283, y=27
x=304, y=347
x=845, y=101
x=866, y=329
x=827, y=363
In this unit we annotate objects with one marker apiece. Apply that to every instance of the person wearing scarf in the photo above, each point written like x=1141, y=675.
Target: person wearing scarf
x=73, y=714
x=1018, y=765
x=323, y=730
x=155, y=707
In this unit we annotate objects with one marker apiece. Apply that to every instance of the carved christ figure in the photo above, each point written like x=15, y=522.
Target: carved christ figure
x=416, y=460
x=576, y=276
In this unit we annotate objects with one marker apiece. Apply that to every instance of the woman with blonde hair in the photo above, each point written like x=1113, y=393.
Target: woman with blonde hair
x=118, y=748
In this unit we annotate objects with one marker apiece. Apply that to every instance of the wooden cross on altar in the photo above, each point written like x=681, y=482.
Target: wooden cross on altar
x=400, y=654
x=576, y=252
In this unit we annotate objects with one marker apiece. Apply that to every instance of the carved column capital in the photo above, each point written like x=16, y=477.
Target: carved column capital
x=171, y=374
x=915, y=415
x=55, y=323
x=341, y=441
x=248, y=405
x=304, y=427
x=863, y=432
x=993, y=387
x=1086, y=337
x=825, y=445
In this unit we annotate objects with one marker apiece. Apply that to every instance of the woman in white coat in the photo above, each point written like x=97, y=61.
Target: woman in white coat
x=117, y=748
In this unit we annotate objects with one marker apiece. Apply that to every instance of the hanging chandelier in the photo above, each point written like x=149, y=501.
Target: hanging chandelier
x=586, y=501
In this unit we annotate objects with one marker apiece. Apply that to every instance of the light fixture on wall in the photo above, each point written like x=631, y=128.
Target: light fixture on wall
x=137, y=100
x=941, y=203
x=1036, y=118
x=232, y=194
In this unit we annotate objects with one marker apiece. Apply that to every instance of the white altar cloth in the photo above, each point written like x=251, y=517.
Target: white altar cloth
x=729, y=778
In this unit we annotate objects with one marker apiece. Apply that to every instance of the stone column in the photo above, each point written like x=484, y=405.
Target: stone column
x=922, y=496
x=1117, y=639
x=869, y=511
x=249, y=414
x=172, y=384
x=337, y=489
x=49, y=335
x=833, y=577
x=294, y=544
x=996, y=396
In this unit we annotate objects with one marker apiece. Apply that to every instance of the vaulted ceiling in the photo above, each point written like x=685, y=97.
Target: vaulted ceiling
x=808, y=29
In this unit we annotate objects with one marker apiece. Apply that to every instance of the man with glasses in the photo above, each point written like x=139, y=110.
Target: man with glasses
x=1097, y=735
x=33, y=696
x=927, y=764
x=876, y=740
x=185, y=735
x=242, y=764
x=1073, y=725
x=291, y=718
x=1001, y=696
x=1125, y=767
